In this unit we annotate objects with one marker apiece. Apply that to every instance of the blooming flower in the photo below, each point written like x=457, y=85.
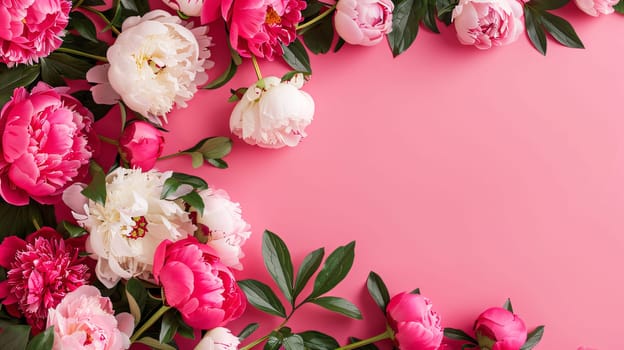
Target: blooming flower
x=125, y=232
x=499, y=329
x=197, y=284
x=218, y=339
x=257, y=27
x=85, y=320
x=273, y=113
x=222, y=226
x=190, y=8
x=487, y=23
x=40, y=273
x=47, y=141
x=363, y=22
x=416, y=325
x=596, y=7
x=31, y=29
x=155, y=63
x=141, y=144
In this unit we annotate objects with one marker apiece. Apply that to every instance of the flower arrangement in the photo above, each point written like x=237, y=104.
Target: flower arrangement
x=148, y=255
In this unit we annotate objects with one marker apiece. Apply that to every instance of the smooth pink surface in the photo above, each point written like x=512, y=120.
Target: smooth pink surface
x=474, y=175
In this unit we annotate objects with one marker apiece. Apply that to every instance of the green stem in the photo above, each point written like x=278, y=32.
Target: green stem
x=256, y=67
x=170, y=156
x=101, y=15
x=36, y=224
x=316, y=19
x=108, y=140
x=260, y=340
x=155, y=317
x=385, y=335
x=77, y=5
x=82, y=53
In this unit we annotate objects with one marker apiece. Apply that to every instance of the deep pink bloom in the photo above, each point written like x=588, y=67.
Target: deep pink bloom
x=500, y=329
x=47, y=142
x=31, y=29
x=416, y=325
x=257, y=27
x=197, y=284
x=141, y=144
x=40, y=272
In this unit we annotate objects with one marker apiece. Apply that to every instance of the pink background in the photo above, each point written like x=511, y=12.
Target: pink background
x=473, y=175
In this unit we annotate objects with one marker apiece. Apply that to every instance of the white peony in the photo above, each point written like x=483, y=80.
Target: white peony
x=190, y=8
x=155, y=63
x=124, y=233
x=218, y=339
x=273, y=113
x=224, y=226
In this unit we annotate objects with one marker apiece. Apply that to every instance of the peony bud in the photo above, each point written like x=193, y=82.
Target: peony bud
x=141, y=144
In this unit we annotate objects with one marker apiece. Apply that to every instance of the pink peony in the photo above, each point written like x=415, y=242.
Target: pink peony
x=141, y=144
x=31, y=29
x=498, y=329
x=416, y=325
x=487, y=23
x=363, y=22
x=47, y=141
x=197, y=284
x=85, y=320
x=596, y=7
x=40, y=273
x=257, y=27
x=191, y=8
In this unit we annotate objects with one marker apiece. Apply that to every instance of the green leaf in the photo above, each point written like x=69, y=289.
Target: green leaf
x=173, y=184
x=194, y=200
x=314, y=340
x=363, y=347
x=339, y=305
x=14, y=336
x=42, y=341
x=213, y=147
x=339, y=44
x=83, y=25
x=155, y=344
x=20, y=75
x=90, y=2
x=137, y=296
x=23, y=218
x=406, y=16
x=168, y=326
x=415, y=291
x=197, y=159
x=297, y=57
x=58, y=65
x=217, y=163
x=312, y=9
x=319, y=37
x=334, y=270
x=547, y=4
x=262, y=297
x=274, y=341
x=76, y=42
x=293, y=342
x=619, y=7
x=507, y=306
x=96, y=190
x=278, y=262
x=458, y=334
x=430, y=16
x=289, y=75
x=223, y=78
x=308, y=267
x=247, y=331
x=99, y=111
x=534, y=29
x=561, y=30
x=533, y=338
x=445, y=10
x=73, y=230
x=184, y=329
x=469, y=346
x=378, y=291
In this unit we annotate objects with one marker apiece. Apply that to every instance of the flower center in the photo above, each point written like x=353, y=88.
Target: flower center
x=272, y=17
x=140, y=228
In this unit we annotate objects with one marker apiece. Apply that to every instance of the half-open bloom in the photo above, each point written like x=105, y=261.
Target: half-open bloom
x=499, y=329
x=596, y=7
x=363, y=22
x=416, y=325
x=487, y=23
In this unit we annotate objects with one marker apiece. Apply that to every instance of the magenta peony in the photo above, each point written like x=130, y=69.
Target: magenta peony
x=416, y=325
x=40, y=273
x=85, y=320
x=47, y=142
x=197, y=284
x=499, y=329
x=363, y=22
x=487, y=23
x=141, y=144
x=596, y=7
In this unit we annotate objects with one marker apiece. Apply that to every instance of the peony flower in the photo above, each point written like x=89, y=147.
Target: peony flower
x=363, y=22
x=596, y=7
x=47, y=141
x=124, y=233
x=218, y=339
x=85, y=320
x=222, y=227
x=257, y=27
x=416, y=325
x=31, y=29
x=155, y=63
x=197, y=284
x=40, y=273
x=498, y=329
x=487, y=23
x=273, y=113
x=191, y=8
x=141, y=144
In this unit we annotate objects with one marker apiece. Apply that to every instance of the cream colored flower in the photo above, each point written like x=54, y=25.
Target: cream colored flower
x=218, y=339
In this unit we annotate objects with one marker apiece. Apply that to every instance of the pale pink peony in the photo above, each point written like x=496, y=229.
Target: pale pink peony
x=499, y=329
x=416, y=325
x=596, y=7
x=363, y=22
x=487, y=23
x=191, y=8
x=40, y=273
x=197, y=284
x=218, y=339
x=85, y=320
x=47, y=142
x=31, y=29
x=141, y=144
x=257, y=27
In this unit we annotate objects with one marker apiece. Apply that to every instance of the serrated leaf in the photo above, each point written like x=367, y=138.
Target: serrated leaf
x=308, y=267
x=507, y=306
x=137, y=296
x=58, y=65
x=619, y=7
x=83, y=25
x=561, y=30
x=194, y=200
x=534, y=29
x=378, y=291
x=406, y=16
x=14, y=336
x=247, y=331
x=533, y=338
x=547, y=4
x=297, y=57
x=363, y=347
x=86, y=98
x=278, y=262
x=20, y=75
x=223, y=78
x=293, y=342
x=339, y=305
x=42, y=341
x=96, y=190
x=23, y=218
x=218, y=163
x=155, y=344
x=458, y=334
x=319, y=38
x=334, y=270
x=168, y=326
x=175, y=183
x=262, y=297
x=73, y=230
x=314, y=340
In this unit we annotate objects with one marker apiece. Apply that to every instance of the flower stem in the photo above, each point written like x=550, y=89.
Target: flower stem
x=108, y=140
x=101, y=15
x=36, y=224
x=77, y=5
x=82, y=53
x=316, y=19
x=170, y=156
x=385, y=335
x=256, y=67
x=155, y=317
